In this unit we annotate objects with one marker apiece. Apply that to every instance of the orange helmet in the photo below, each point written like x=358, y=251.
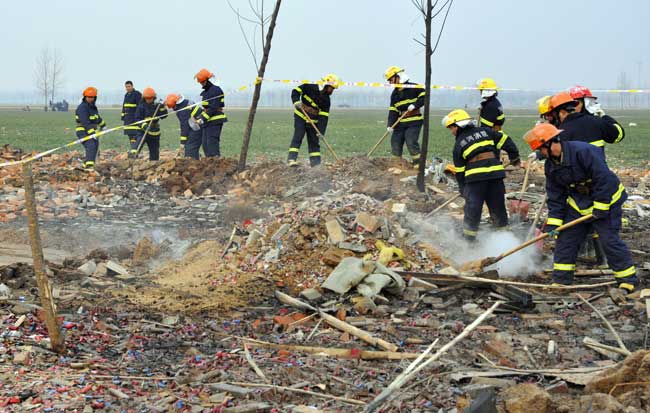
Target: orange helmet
x=203, y=75
x=90, y=92
x=562, y=98
x=148, y=92
x=541, y=134
x=171, y=99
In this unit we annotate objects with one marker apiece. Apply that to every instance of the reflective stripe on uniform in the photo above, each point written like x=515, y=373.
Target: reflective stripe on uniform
x=294, y=149
x=183, y=138
x=459, y=169
x=620, y=133
x=312, y=154
x=555, y=221
x=303, y=117
x=475, y=146
x=194, y=111
x=92, y=130
x=79, y=128
x=93, y=117
x=217, y=117
x=484, y=170
x=600, y=143
x=564, y=267
x=572, y=204
x=501, y=116
x=130, y=105
x=150, y=133
x=132, y=127
x=411, y=119
x=598, y=205
x=625, y=273
x=311, y=101
x=470, y=232
x=405, y=102
x=321, y=113
x=393, y=108
x=502, y=141
x=487, y=122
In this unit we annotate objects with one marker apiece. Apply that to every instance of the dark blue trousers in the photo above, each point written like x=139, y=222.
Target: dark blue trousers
x=491, y=192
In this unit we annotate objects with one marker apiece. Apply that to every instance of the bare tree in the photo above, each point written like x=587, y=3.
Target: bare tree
x=429, y=13
x=56, y=73
x=259, y=22
x=42, y=75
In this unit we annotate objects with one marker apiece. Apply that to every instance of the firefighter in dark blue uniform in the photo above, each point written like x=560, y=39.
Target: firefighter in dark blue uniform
x=88, y=123
x=190, y=119
x=578, y=183
x=213, y=115
x=479, y=170
x=131, y=100
x=405, y=105
x=149, y=131
x=583, y=126
x=314, y=101
x=491, y=112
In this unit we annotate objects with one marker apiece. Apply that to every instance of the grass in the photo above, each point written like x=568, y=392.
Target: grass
x=350, y=132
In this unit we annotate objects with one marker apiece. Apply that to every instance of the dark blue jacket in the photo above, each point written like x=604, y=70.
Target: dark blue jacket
x=585, y=127
x=213, y=104
x=582, y=181
x=491, y=112
x=316, y=102
x=146, y=110
x=472, y=141
x=184, y=116
x=400, y=100
x=131, y=100
x=88, y=119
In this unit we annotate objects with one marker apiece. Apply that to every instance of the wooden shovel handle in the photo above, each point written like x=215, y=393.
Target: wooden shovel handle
x=542, y=236
x=374, y=148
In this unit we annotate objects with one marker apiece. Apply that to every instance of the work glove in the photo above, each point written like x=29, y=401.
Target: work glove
x=411, y=107
x=389, y=129
x=297, y=104
x=552, y=231
x=599, y=214
x=532, y=157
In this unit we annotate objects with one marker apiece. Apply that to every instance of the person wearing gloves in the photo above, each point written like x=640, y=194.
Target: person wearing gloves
x=588, y=103
x=190, y=120
x=214, y=117
x=311, y=104
x=405, y=103
x=479, y=171
x=579, y=183
x=151, y=111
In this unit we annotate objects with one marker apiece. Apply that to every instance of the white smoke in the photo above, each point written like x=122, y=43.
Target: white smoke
x=446, y=235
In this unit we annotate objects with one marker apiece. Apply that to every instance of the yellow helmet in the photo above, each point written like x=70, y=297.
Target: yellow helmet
x=454, y=116
x=331, y=79
x=544, y=105
x=487, y=83
x=392, y=71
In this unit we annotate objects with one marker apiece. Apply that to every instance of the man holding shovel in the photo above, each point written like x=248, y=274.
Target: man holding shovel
x=579, y=183
x=479, y=170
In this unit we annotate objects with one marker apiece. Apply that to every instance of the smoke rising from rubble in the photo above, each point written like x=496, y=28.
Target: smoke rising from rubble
x=446, y=234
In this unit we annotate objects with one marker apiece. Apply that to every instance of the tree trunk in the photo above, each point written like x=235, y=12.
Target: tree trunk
x=427, y=100
x=258, y=88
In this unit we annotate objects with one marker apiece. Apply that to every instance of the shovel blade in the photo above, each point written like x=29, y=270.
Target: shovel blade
x=519, y=207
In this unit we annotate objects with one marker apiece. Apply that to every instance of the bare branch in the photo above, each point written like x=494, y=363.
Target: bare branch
x=443, y=27
x=419, y=42
x=239, y=15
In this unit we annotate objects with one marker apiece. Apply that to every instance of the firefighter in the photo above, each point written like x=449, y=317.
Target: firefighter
x=491, y=111
x=407, y=102
x=190, y=120
x=131, y=100
x=545, y=110
x=582, y=126
x=213, y=115
x=149, y=109
x=479, y=171
x=587, y=103
x=311, y=103
x=578, y=183
x=88, y=123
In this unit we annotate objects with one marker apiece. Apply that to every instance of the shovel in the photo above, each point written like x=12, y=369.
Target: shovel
x=519, y=206
x=478, y=265
x=444, y=204
x=320, y=135
x=374, y=148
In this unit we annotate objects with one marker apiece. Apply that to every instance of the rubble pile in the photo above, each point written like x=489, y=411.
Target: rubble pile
x=299, y=290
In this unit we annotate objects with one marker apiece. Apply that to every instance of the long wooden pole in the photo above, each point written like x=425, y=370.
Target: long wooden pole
x=320, y=135
x=44, y=289
x=393, y=126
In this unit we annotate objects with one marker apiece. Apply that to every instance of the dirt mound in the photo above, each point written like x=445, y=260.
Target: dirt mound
x=145, y=250
x=200, y=281
x=629, y=382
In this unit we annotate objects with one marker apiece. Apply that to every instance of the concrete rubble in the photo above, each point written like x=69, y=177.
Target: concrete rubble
x=167, y=298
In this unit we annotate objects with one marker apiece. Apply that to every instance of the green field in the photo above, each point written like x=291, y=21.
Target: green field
x=350, y=131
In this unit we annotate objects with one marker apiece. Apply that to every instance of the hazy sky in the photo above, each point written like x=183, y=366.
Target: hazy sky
x=522, y=44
